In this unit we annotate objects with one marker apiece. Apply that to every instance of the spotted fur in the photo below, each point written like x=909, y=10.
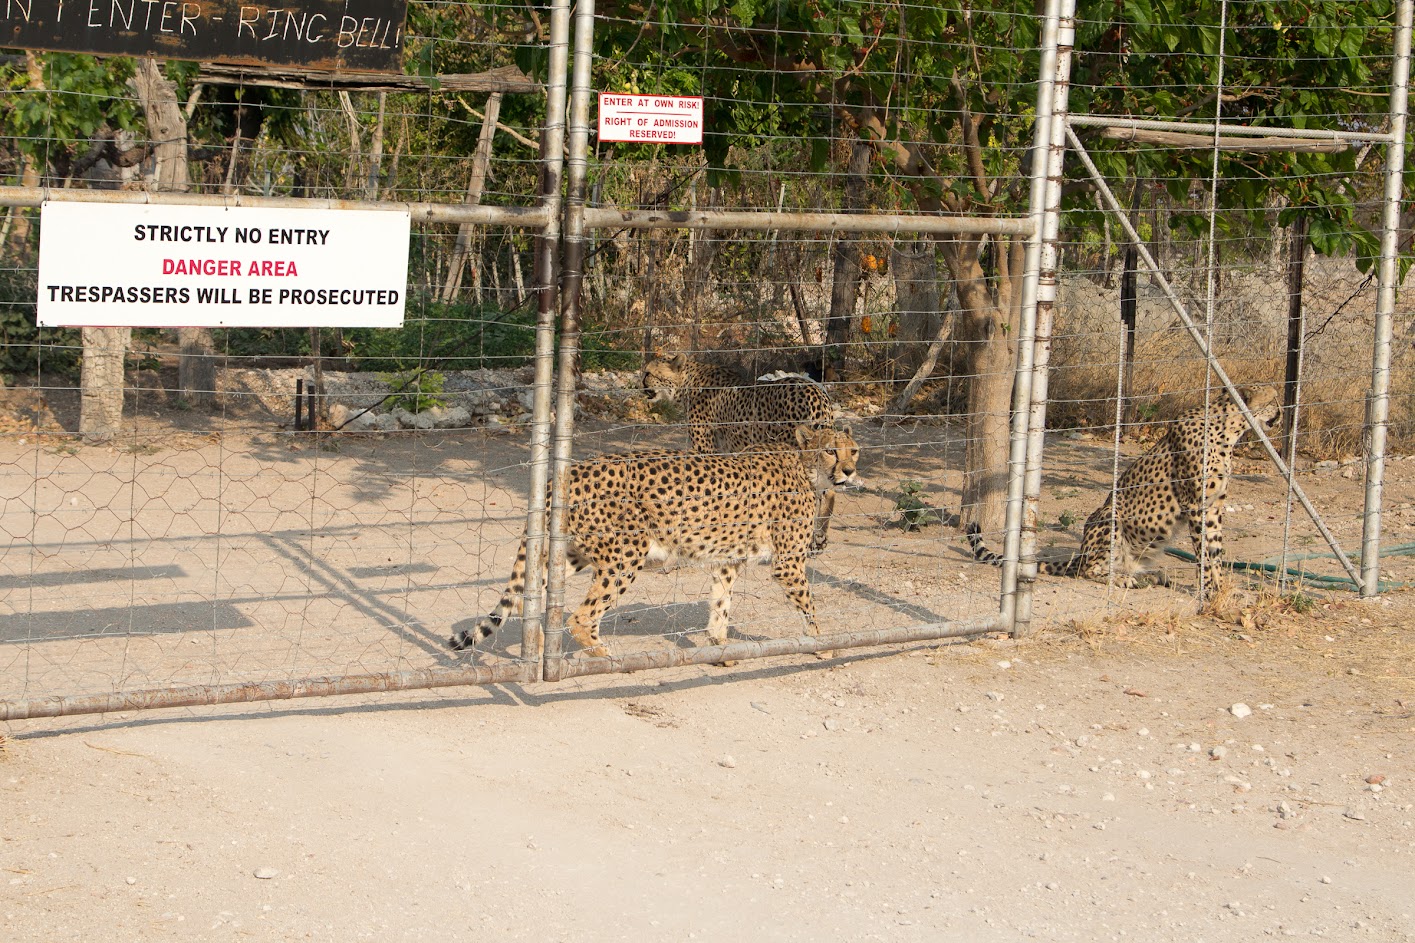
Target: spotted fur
x=624, y=511
x=1154, y=492
x=726, y=417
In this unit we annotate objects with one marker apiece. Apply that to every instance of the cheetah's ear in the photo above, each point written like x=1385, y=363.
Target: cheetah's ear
x=679, y=359
x=845, y=430
x=803, y=437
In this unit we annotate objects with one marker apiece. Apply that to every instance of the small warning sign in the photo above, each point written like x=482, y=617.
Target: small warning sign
x=650, y=119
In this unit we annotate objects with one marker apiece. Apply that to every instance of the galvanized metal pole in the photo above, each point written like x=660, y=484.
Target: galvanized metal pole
x=552, y=149
x=1378, y=403
x=571, y=278
x=1049, y=220
x=1027, y=331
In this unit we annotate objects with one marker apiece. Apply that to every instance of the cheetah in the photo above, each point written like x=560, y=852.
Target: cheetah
x=1159, y=487
x=624, y=511
x=725, y=417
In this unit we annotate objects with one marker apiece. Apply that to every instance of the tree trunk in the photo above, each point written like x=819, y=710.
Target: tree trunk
x=914, y=267
x=845, y=280
x=986, y=326
x=101, y=383
x=167, y=126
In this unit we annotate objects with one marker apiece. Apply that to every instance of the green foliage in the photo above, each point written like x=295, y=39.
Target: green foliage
x=416, y=392
x=454, y=336
x=24, y=347
x=81, y=94
x=915, y=511
x=1300, y=603
x=1067, y=520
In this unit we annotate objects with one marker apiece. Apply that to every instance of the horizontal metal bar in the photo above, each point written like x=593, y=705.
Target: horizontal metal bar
x=603, y=218
x=1155, y=124
x=766, y=648
x=203, y=695
x=477, y=214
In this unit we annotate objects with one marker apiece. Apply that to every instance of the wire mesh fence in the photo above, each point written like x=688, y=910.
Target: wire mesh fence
x=864, y=220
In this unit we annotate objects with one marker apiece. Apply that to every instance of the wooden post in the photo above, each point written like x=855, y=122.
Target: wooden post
x=476, y=184
x=1128, y=315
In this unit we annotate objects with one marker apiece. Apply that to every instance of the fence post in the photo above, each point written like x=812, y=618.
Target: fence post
x=1019, y=570
x=1378, y=404
x=571, y=279
x=552, y=155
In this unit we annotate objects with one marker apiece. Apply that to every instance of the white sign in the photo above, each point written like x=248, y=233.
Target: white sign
x=145, y=265
x=649, y=119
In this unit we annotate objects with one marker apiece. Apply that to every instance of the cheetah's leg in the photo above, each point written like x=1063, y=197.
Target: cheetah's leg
x=1206, y=531
x=722, y=579
x=790, y=572
x=825, y=507
x=613, y=574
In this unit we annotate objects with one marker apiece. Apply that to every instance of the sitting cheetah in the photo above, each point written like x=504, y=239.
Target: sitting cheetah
x=726, y=417
x=623, y=511
x=1154, y=491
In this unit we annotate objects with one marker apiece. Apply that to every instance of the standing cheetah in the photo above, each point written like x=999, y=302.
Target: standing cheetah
x=623, y=511
x=725, y=417
x=1154, y=491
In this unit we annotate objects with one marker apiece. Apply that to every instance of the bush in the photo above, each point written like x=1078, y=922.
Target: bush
x=25, y=347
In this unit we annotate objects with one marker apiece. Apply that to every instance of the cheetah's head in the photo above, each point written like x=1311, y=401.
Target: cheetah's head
x=664, y=377
x=836, y=454
x=1263, y=403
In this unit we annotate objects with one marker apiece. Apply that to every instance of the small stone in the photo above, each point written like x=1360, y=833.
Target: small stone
x=1194, y=748
x=727, y=762
x=758, y=705
x=1325, y=879
x=1004, y=664
x=1375, y=779
x=1355, y=816
x=1375, y=787
x=1143, y=732
x=832, y=724
x=265, y=874
x=1218, y=752
x=994, y=696
x=1082, y=740
x=1052, y=885
x=132, y=880
x=1108, y=797
x=1240, y=710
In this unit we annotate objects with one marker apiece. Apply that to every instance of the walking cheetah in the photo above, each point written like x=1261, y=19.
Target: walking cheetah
x=726, y=417
x=1154, y=491
x=623, y=511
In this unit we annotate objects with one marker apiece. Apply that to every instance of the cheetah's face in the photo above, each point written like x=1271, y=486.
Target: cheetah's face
x=836, y=454
x=663, y=378
x=1264, y=404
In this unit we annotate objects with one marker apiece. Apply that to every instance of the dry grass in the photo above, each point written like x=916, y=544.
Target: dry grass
x=1303, y=635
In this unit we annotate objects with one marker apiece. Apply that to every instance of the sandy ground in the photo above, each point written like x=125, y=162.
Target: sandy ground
x=1087, y=784
x=1090, y=783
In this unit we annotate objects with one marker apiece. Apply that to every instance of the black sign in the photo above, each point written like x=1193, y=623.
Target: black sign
x=357, y=35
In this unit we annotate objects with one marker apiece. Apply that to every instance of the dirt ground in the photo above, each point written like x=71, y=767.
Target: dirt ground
x=1094, y=782
x=1088, y=784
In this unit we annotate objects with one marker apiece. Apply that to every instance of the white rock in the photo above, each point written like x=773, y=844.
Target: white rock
x=265, y=874
x=727, y=762
x=1219, y=752
x=1240, y=710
